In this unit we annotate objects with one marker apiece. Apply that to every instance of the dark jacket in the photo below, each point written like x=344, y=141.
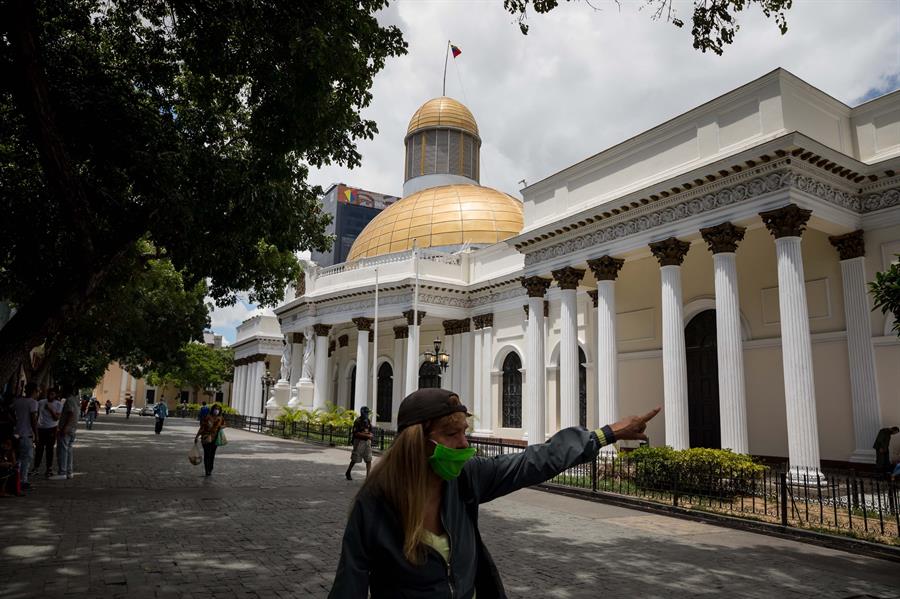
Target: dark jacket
x=372, y=551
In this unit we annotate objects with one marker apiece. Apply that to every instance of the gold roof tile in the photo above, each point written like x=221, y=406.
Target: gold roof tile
x=441, y=216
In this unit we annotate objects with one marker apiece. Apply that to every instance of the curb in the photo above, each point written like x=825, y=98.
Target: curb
x=850, y=545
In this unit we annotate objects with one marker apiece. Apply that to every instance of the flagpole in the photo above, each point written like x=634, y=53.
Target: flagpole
x=375, y=356
x=446, y=56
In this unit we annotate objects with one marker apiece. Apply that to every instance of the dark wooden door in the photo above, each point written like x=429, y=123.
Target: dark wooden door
x=385, y=392
x=703, y=381
x=429, y=376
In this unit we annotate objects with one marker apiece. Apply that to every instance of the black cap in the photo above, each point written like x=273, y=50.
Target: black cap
x=427, y=404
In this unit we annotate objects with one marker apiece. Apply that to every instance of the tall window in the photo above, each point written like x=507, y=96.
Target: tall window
x=385, y=391
x=429, y=376
x=511, y=403
x=582, y=388
x=352, y=383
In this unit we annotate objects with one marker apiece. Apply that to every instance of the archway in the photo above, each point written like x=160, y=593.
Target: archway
x=429, y=376
x=511, y=398
x=582, y=388
x=703, y=381
x=383, y=403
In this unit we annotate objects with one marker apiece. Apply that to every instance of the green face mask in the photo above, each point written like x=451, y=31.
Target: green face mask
x=448, y=463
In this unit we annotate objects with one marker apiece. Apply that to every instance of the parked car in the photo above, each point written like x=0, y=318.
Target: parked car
x=146, y=411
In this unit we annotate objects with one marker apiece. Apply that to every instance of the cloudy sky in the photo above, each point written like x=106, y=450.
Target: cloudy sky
x=590, y=75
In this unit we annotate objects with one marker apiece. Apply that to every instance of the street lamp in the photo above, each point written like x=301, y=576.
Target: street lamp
x=267, y=382
x=438, y=357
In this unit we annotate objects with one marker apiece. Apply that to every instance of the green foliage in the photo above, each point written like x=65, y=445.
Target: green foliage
x=195, y=407
x=333, y=415
x=185, y=125
x=885, y=291
x=195, y=365
x=702, y=471
x=713, y=21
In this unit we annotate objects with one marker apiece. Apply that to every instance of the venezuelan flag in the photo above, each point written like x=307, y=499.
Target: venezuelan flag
x=456, y=51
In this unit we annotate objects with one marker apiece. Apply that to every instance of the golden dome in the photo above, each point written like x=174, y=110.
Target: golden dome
x=441, y=216
x=443, y=112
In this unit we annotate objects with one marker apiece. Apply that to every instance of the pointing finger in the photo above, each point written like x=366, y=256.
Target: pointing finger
x=651, y=413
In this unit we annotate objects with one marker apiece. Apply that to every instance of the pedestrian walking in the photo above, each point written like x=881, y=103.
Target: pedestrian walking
x=204, y=411
x=209, y=434
x=92, y=410
x=882, y=447
x=49, y=410
x=129, y=402
x=25, y=408
x=413, y=527
x=65, y=437
x=362, y=442
x=161, y=411
x=108, y=406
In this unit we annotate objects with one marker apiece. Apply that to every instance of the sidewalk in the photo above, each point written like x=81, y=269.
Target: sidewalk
x=138, y=520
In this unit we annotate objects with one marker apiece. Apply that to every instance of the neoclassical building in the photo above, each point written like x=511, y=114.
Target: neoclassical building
x=716, y=265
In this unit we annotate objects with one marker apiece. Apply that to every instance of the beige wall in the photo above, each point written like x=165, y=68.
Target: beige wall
x=110, y=388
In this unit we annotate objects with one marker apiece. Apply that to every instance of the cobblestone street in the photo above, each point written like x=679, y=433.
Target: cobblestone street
x=138, y=520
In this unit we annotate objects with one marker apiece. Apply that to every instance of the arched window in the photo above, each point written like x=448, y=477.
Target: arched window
x=352, y=382
x=582, y=388
x=385, y=391
x=511, y=402
x=429, y=376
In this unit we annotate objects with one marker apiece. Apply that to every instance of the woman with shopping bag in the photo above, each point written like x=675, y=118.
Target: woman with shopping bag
x=211, y=436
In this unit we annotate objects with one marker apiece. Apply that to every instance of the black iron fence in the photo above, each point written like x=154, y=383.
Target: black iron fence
x=848, y=502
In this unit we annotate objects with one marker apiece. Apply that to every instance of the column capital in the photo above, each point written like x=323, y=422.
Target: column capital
x=408, y=314
x=605, y=268
x=450, y=327
x=401, y=332
x=298, y=338
x=321, y=330
x=343, y=340
x=536, y=286
x=723, y=238
x=849, y=245
x=464, y=325
x=789, y=221
x=593, y=293
x=568, y=277
x=362, y=323
x=483, y=321
x=670, y=252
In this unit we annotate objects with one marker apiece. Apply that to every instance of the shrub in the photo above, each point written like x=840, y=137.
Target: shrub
x=696, y=471
x=333, y=415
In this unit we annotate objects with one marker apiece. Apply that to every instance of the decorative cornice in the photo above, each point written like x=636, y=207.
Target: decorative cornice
x=660, y=215
x=605, y=268
x=593, y=293
x=568, y=277
x=789, y=221
x=535, y=286
x=401, y=332
x=879, y=201
x=723, y=238
x=250, y=359
x=362, y=323
x=321, y=330
x=343, y=340
x=850, y=245
x=408, y=314
x=670, y=252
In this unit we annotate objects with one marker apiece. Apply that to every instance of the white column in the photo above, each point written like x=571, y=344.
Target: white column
x=322, y=376
x=296, y=360
x=412, y=353
x=485, y=424
x=399, y=379
x=730, y=355
x=247, y=390
x=237, y=379
x=477, y=388
x=568, y=359
x=863, y=381
x=606, y=270
x=466, y=364
x=535, y=388
x=786, y=225
x=670, y=254
x=363, y=374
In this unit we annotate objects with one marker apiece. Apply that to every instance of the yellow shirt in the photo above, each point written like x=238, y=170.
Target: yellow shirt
x=441, y=544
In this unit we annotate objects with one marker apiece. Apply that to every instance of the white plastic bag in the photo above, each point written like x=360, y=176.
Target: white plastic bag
x=195, y=456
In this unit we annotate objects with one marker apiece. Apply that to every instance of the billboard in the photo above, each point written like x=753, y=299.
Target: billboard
x=361, y=197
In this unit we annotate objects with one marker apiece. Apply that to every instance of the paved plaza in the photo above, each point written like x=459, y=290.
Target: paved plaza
x=138, y=520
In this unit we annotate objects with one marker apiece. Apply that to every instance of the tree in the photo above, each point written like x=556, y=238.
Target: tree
x=185, y=127
x=197, y=365
x=138, y=319
x=885, y=290
x=713, y=22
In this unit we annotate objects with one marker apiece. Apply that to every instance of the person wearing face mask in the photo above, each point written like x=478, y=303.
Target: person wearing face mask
x=413, y=526
x=210, y=427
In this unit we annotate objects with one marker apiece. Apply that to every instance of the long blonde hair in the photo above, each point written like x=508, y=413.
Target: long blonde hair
x=401, y=478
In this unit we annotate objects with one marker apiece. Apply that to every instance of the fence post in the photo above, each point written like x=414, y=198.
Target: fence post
x=784, y=518
x=594, y=466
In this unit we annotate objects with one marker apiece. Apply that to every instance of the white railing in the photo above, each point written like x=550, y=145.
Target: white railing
x=365, y=263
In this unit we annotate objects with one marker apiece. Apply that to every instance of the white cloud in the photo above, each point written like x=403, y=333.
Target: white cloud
x=583, y=80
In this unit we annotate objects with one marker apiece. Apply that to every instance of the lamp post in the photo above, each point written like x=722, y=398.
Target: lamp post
x=437, y=357
x=267, y=382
